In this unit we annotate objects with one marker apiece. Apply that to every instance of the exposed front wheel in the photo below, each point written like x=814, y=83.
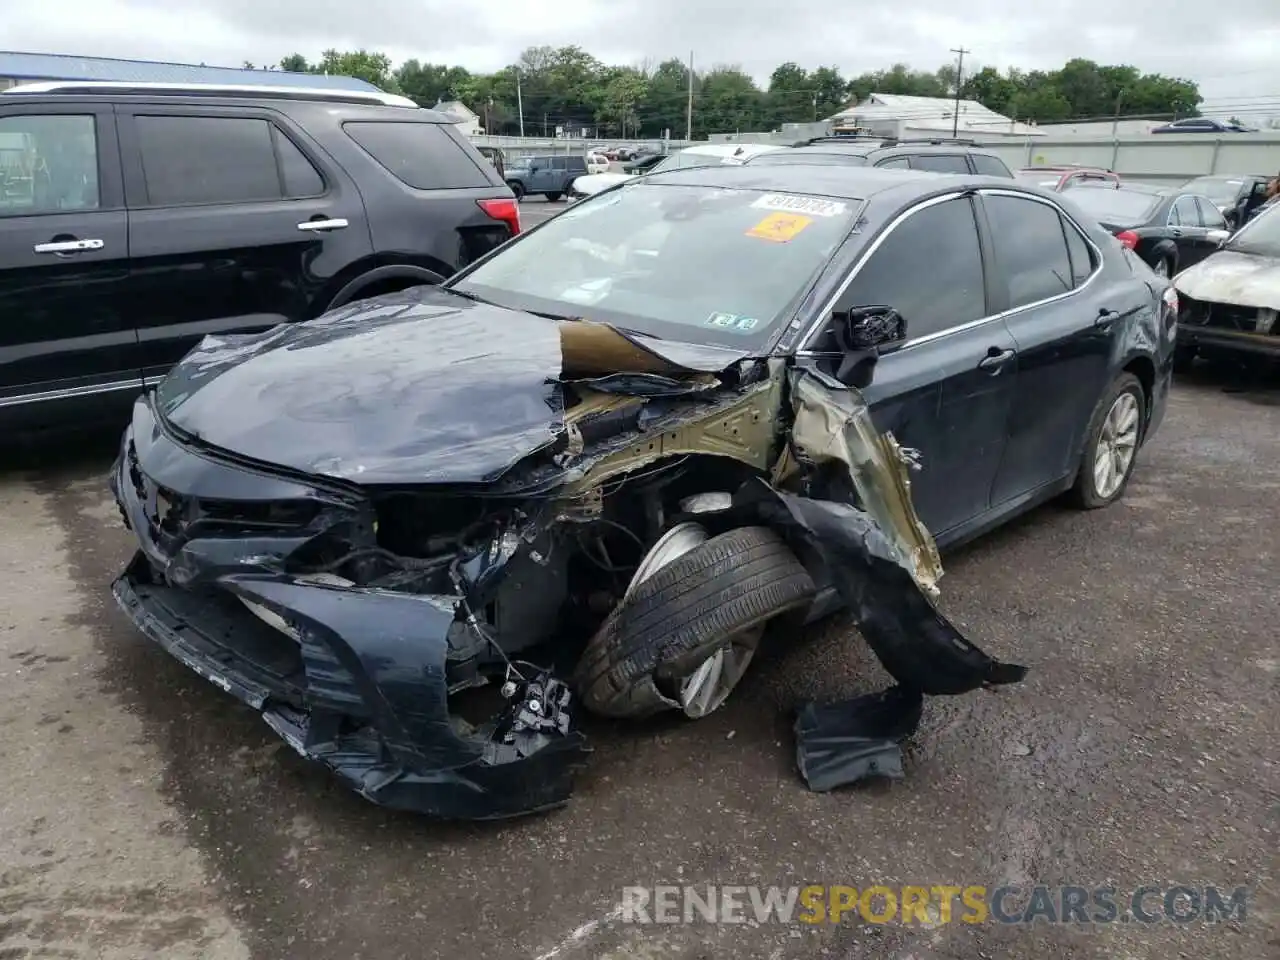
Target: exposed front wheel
x=1111, y=445
x=682, y=636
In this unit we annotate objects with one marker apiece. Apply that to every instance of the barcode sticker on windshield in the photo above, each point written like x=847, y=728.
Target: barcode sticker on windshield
x=793, y=203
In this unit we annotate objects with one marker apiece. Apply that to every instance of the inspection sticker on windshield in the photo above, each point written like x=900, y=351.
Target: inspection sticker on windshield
x=732, y=321
x=779, y=227
x=792, y=203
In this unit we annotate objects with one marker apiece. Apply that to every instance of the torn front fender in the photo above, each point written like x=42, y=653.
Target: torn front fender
x=919, y=647
x=833, y=424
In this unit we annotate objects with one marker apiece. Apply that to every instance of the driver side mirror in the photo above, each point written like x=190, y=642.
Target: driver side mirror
x=864, y=335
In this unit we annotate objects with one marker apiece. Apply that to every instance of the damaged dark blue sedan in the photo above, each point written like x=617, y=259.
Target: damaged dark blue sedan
x=594, y=468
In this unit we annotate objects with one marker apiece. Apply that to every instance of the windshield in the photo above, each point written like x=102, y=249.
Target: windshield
x=1218, y=189
x=1260, y=235
x=1107, y=203
x=689, y=263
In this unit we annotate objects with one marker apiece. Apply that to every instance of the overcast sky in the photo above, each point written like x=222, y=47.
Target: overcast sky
x=1231, y=47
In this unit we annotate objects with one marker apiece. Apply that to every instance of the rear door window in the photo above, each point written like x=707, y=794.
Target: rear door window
x=897, y=163
x=940, y=163
x=1210, y=215
x=928, y=268
x=190, y=160
x=1030, y=248
x=424, y=156
x=1184, y=213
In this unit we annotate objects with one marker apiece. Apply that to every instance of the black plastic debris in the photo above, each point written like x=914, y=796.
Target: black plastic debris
x=838, y=744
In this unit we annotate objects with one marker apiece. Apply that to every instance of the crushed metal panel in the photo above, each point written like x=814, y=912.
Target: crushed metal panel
x=833, y=423
x=1240, y=279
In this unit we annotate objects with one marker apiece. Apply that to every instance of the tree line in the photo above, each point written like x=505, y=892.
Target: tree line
x=568, y=87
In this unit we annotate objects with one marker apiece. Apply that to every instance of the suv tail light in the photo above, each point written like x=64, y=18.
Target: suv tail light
x=1128, y=238
x=504, y=209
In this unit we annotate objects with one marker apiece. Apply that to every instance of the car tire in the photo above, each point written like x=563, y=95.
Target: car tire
x=518, y=190
x=1096, y=487
x=553, y=197
x=680, y=616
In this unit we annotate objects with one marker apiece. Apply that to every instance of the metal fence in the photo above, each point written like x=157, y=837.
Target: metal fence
x=514, y=147
x=1158, y=158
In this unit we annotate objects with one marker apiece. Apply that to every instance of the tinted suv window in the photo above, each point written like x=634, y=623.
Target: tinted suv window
x=421, y=155
x=559, y=163
x=896, y=163
x=989, y=166
x=928, y=268
x=578, y=164
x=301, y=179
x=48, y=164
x=940, y=163
x=1030, y=248
x=207, y=160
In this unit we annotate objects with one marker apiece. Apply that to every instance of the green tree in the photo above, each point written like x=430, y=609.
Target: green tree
x=295, y=63
x=666, y=98
x=622, y=92
x=728, y=101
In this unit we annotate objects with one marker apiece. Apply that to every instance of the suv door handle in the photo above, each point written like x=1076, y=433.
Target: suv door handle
x=1106, y=318
x=995, y=360
x=68, y=246
x=321, y=225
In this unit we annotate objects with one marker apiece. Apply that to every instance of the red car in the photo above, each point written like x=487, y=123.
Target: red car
x=1058, y=178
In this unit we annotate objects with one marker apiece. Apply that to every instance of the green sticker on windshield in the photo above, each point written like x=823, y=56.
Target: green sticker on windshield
x=732, y=321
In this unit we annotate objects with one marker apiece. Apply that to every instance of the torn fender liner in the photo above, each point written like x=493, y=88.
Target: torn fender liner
x=919, y=647
x=362, y=690
x=842, y=743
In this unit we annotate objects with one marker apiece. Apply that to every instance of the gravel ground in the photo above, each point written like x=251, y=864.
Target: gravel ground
x=145, y=814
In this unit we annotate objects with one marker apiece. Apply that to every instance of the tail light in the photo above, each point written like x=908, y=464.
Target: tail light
x=1128, y=238
x=505, y=209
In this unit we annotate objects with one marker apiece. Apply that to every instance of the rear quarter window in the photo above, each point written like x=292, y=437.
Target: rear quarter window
x=424, y=156
x=989, y=166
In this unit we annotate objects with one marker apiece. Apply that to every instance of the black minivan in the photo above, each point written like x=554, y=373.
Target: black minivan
x=136, y=219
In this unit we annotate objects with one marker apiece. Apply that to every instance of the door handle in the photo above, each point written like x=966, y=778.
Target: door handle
x=995, y=360
x=68, y=246
x=321, y=225
x=1106, y=318
x=1175, y=232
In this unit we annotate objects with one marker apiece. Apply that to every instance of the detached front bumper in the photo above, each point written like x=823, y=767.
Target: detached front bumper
x=352, y=678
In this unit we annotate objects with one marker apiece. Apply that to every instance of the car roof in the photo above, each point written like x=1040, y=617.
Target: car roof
x=845, y=182
x=731, y=149
x=1129, y=186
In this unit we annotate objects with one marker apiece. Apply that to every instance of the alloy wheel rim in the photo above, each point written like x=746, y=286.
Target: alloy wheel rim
x=1117, y=445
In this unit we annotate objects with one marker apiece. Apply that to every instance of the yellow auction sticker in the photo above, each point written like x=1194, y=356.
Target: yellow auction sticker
x=779, y=227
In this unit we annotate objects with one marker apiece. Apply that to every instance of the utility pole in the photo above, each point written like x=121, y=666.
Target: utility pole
x=688, y=116
x=955, y=118
x=519, y=102
x=815, y=108
x=1115, y=123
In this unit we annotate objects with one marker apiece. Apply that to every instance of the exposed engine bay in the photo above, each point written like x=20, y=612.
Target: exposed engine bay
x=679, y=508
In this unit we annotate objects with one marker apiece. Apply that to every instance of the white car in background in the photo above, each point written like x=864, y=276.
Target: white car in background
x=702, y=155
x=597, y=163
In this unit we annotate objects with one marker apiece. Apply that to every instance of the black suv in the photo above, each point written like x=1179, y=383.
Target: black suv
x=934, y=155
x=136, y=219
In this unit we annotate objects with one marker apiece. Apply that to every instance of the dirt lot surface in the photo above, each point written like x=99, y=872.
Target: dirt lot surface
x=143, y=813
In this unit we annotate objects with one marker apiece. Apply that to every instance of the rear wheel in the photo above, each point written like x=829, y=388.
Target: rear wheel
x=517, y=188
x=1111, y=445
x=553, y=197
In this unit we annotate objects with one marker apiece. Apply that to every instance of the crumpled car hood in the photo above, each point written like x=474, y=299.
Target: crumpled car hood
x=1229, y=276
x=419, y=386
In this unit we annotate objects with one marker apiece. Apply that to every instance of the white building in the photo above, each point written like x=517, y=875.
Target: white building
x=467, y=121
x=897, y=115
